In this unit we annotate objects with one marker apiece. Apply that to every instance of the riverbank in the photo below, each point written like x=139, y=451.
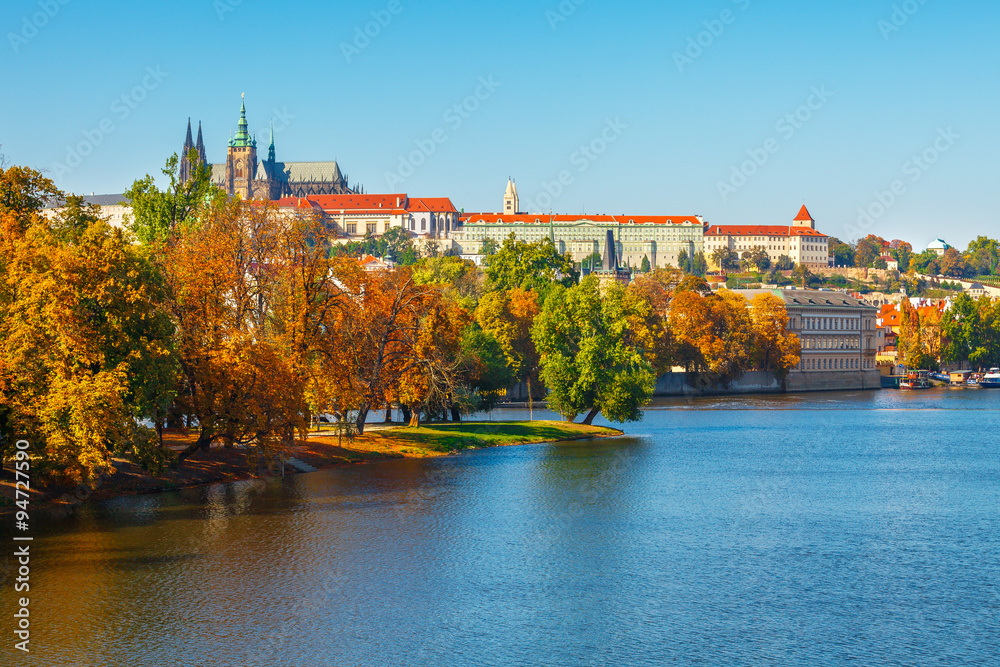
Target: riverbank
x=317, y=452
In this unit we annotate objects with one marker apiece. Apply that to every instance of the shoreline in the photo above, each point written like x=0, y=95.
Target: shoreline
x=318, y=451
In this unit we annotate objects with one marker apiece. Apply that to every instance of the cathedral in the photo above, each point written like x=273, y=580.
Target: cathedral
x=244, y=175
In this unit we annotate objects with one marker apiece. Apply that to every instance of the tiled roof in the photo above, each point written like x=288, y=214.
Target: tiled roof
x=762, y=230
x=349, y=202
x=532, y=218
x=433, y=205
x=804, y=216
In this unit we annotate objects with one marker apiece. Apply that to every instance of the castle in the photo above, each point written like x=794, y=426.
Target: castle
x=244, y=175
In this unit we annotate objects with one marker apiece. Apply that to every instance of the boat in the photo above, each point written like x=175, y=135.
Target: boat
x=991, y=380
x=916, y=380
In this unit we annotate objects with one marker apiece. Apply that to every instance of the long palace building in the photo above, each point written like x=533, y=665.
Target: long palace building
x=658, y=238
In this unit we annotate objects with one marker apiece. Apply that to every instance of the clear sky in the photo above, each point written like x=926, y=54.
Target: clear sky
x=670, y=100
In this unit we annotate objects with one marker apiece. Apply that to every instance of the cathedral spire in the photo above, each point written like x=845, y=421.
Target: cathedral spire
x=242, y=138
x=188, y=143
x=270, y=149
x=200, y=146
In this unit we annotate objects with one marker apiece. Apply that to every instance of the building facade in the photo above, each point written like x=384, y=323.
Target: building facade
x=800, y=241
x=353, y=217
x=839, y=338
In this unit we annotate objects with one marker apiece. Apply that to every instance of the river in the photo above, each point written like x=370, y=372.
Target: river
x=828, y=529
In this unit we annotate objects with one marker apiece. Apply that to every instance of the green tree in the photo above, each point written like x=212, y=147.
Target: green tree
x=645, y=267
x=926, y=263
x=699, y=266
x=156, y=213
x=903, y=253
x=592, y=360
x=535, y=266
x=784, y=263
x=760, y=258
x=843, y=253
x=726, y=259
x=488, y=248
x=683, y=261
x=483, y=369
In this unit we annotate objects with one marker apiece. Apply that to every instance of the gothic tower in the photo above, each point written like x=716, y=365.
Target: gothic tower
x=200, y=146
x=241, y=159
x=186, y=171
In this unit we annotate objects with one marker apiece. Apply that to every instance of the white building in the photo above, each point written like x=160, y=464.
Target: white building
x=114, y=208
x=800, y=241
x=353, y=217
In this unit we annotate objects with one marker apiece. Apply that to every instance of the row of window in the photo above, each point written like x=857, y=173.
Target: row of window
x=836, y=364
x=833, y=323
x=839, y=343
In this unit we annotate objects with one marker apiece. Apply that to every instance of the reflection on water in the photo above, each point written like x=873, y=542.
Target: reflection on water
x=827, y=529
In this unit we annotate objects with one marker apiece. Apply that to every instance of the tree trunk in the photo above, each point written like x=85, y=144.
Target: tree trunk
x=388, y=414
x=415, y=419
x=531, y=402
x=589, y=420
x=362, y=416
x=456, y=415
x=407, y=413
x=202, y=443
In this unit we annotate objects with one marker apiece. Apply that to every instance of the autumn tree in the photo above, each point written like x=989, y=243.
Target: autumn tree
x=382, y=337
x=593, y=362
x=85, y=349
x=240, y=378
x=953, y=264
x=868, y=250
x=775, y=348
x=713, y=334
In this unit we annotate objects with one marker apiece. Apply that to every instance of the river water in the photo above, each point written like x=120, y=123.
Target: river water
x=832, y=529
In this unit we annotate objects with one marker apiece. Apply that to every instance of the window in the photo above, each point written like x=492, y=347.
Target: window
x=352, y=229
x=371, y=228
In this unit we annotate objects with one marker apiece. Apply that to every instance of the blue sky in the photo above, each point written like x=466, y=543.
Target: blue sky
x=642, y=107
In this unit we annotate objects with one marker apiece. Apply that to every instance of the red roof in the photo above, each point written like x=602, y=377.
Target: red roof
x=351, y=202
x=433, y=205
x=762, y=230
x=530, y=218
x=804, y=215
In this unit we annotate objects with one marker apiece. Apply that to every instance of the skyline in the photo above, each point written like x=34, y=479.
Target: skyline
x=881, y=102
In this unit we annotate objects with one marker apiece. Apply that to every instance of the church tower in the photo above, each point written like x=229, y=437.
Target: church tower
x=186, y=170
x=511, y=204
x=200, y=146
x=241, y=159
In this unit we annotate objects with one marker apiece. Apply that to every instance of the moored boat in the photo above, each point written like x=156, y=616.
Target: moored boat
x=916, y=380
x=991, y=380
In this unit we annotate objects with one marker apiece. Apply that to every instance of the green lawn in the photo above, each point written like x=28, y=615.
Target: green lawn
x=452, y=437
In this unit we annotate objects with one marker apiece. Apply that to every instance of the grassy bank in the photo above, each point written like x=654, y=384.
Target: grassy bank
x=324, y=451
x=445, y=438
